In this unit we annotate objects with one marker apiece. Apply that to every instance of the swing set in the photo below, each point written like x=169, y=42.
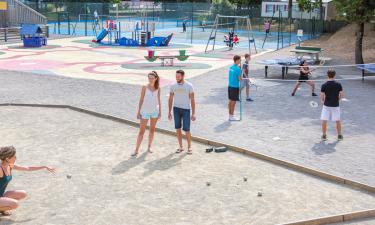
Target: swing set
x=232, y=24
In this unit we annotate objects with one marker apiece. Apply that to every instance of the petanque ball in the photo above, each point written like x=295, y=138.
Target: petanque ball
x=69, y=176
x=260, y=194
x=245, y=179
x=208, y=183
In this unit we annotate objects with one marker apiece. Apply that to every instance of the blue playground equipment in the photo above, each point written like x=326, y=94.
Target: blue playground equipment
x=139, y=36
x=32, y=36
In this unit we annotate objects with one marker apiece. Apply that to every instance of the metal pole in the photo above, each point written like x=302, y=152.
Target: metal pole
x=192, y=23
x=212, y=30
x=68, y=24
x=86, y=19
x=58, y=22
x=248, y=34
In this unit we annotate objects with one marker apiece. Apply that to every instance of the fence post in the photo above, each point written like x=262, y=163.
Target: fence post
x=192, y=23
x=5, y=34
x=86, y=19
x=58, y=22
x=68, y=24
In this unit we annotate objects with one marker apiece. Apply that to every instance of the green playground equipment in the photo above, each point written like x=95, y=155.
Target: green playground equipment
x=151, y=57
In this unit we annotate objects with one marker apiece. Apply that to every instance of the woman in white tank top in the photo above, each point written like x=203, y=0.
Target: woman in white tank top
x=148, y=109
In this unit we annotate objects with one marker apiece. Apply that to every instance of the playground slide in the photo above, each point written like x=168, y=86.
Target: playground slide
x=102, y=35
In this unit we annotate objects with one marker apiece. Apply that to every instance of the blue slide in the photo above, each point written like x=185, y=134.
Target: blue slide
x=102, y=35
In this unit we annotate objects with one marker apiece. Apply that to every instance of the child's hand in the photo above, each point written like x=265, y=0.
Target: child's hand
x=50, y=169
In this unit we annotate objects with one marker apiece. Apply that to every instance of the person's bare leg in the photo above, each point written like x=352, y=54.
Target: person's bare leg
x=17, y=194
x=312, y=84
x=296, y=87
x=247, y=92
x=179, y=138
x=7, y=204
x=233, y=106
x=338, y=127
x=324, y=127
x=151, y=133
x=142, y=128
x=230, y=107
x=188, y=139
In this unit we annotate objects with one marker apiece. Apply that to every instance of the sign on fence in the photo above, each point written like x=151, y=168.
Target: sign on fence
x=3, y=6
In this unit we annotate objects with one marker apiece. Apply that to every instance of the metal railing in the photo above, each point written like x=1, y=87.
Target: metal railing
x=18, y=13
x=13, y=33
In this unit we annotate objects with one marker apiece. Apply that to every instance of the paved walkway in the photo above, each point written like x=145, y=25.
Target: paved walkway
x=275, y=124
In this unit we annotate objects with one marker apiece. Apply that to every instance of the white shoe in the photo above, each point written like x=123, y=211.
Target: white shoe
x=232, y=118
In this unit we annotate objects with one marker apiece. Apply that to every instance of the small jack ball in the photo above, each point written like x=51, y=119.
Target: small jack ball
x=69, y=176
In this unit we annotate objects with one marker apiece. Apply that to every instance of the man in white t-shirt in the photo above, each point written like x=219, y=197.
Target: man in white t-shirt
x=181, y=97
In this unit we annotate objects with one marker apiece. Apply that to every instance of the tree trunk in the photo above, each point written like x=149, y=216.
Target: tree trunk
x=358, y=42
x=321, y=10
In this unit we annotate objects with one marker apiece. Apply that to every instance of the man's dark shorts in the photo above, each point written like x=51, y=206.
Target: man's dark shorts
x=233, y=94
x=181, y=118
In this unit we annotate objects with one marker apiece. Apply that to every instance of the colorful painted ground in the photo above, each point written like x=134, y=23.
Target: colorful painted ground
x=80, y=58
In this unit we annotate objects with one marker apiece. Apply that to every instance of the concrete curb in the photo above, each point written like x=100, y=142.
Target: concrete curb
x=278, y=162
x=337, y=218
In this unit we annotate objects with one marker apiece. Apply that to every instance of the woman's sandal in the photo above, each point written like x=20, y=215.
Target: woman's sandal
x=149, y=151
x=190, y=152
x=179, y=150
x=134, y=154
x=5, y=213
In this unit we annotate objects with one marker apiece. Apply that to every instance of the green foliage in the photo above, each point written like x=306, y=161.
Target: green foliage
x=307, y=5
x=246, y=2
x=358, y=11
x=222, y=7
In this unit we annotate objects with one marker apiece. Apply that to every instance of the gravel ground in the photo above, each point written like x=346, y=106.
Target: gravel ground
x=107, y=186
x=275, y=123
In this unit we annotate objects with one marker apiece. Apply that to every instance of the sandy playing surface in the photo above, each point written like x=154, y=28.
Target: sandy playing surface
x=109, y=187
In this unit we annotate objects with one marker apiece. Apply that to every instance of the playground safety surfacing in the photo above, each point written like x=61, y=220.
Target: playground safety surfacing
x=107, y=186
x=80, y=58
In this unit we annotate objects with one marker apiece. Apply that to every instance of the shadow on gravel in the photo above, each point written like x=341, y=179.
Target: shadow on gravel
x=126, y=165
x=323, y=148
x=164, y=163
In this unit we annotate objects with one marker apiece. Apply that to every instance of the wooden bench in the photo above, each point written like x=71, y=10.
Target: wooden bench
x=167, y=60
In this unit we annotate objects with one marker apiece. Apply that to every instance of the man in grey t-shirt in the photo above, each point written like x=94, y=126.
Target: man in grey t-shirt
x=182, y=93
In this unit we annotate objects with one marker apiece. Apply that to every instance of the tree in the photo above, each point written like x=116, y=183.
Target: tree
x=222, y=7
x=358, y=12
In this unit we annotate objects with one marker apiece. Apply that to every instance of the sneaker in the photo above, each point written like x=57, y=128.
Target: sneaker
x=249, y=100
x=293, y=94
x=324, y=137
x=232, y=118
x=313, y=94
x=340, y=137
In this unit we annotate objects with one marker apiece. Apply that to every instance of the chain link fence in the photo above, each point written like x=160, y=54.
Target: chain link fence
x=190, y=22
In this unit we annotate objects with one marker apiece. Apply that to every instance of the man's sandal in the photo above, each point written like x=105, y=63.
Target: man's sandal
x=179, y=150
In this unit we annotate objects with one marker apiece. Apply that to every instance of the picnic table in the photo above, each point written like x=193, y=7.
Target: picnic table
x=167, y=60
x=283, y=63
x=369, y=68
x=312, y=52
